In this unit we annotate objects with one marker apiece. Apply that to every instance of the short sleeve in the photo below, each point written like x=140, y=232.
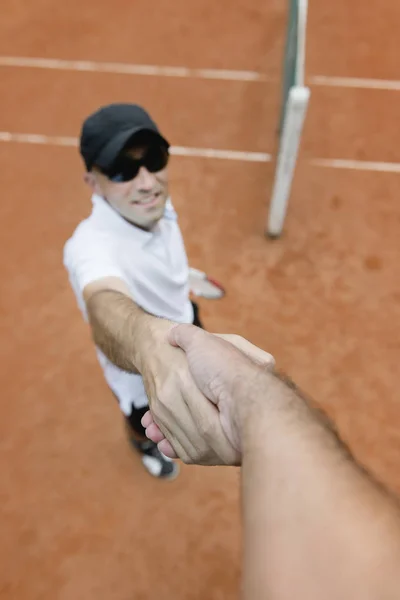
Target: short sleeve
x=88, y=258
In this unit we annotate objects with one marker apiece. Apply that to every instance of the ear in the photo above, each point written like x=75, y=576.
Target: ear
x=90, y=179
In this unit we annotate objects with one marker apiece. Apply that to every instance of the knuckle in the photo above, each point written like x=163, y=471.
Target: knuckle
x=207, y=431
x=167, y=392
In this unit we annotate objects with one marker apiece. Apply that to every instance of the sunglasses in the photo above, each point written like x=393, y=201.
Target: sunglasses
x=126, y=168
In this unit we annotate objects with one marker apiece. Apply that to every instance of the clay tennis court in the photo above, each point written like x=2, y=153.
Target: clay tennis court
x=80, y=518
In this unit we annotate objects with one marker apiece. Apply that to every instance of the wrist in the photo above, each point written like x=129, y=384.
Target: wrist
x=273, y=409
x=249, y=397
x=150, y=334
x=142, y=339
x=267, y=407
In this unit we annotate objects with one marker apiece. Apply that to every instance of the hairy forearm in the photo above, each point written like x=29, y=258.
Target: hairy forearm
x=316, y=524
x=119, y=328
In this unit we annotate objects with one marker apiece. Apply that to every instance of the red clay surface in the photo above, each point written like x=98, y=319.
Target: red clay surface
x=79, y=516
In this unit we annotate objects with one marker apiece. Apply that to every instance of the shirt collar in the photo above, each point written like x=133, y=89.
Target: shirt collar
x=103, y=211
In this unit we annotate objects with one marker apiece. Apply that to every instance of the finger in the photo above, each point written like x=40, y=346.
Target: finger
x=174, y=449
x=253, y=352
x=147, y=419
x=184, y=336
x=165, y=447
x=212, y=435
x=175, y=423
x=154, y=433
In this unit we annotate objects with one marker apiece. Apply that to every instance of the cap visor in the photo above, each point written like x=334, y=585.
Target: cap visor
x=110, y=152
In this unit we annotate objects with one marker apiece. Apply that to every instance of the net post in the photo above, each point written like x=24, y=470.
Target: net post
x=295, y=113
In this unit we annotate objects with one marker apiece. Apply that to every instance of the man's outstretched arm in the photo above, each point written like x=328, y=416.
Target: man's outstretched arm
x=137, y=342
x=120, y=328
x=317, y=526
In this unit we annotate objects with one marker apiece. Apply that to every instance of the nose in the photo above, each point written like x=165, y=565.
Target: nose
x=145, y=180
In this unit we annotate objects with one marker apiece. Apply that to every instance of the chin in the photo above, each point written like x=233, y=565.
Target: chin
x=146, y=223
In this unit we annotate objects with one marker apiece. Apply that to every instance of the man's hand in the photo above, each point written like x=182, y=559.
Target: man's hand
x=181, y=412
x=220, y=369
x=137, y=342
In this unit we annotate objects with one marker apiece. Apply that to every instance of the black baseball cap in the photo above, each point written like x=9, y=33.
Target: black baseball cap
x=107, y=131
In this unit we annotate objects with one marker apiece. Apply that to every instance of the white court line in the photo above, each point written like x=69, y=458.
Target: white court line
x=29, y=138
x=128, y=69
x=355, y=82
x=356, y=165
x=259, y=157
x=33, y=138
x=185, y=72
x=224, y=154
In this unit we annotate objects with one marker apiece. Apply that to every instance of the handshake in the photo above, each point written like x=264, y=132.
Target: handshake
x=205, y=391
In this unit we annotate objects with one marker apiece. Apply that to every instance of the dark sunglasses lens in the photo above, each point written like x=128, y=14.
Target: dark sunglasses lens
x=156, y=158
x=125, y=169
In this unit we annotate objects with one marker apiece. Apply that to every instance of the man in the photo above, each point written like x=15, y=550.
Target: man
x=127, y=260
x=316, y=524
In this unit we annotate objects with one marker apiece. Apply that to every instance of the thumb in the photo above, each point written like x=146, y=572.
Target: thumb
x=183, y=336
x=256, y=354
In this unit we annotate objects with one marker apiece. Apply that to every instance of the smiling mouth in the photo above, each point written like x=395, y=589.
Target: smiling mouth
x=150, y=201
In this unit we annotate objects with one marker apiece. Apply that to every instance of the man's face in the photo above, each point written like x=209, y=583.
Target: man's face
x=137, y=184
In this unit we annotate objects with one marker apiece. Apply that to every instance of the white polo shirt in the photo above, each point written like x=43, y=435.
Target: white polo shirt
x=153, y=265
